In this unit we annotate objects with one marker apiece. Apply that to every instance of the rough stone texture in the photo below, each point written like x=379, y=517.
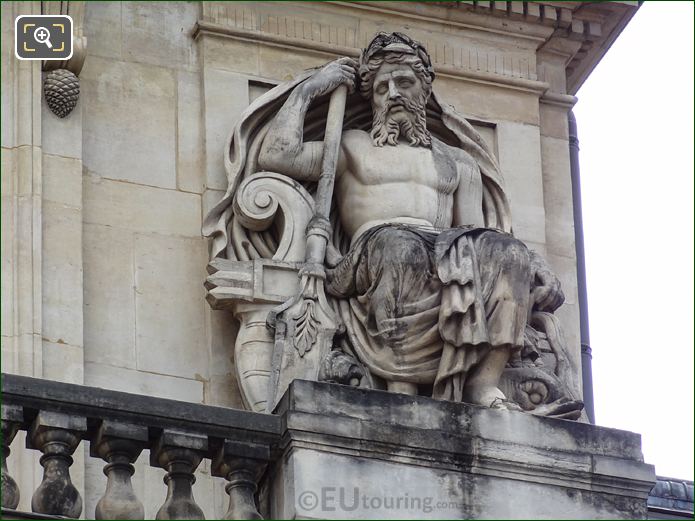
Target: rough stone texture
x=109, y=303
x=144, y=41
x=215, y=56
x=114, y=106
x=103, y=25
x=140, y=208
x=189, y=136
x=519, y=156
x=226, y=96
x=447, y=460
x=222, y=387
x=170, y=334
x=559, y=229
x=63, y=137
x=62, y=274
x=142, y=382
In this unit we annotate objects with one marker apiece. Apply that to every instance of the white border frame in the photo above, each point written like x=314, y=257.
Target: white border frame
x=72, y=36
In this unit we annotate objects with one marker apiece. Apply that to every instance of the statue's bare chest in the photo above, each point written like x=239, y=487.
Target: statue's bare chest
x=401, y=164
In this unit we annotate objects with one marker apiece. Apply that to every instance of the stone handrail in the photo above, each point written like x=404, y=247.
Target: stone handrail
x=119, y=426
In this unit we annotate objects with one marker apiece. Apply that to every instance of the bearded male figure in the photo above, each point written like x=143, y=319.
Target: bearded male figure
x=434, y=291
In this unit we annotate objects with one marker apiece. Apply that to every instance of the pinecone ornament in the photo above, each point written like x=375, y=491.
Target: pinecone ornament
x=61, y=89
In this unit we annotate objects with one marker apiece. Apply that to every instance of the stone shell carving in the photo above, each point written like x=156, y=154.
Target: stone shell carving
x=61, y=89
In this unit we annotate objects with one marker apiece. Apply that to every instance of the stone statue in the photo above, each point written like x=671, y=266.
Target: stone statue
x=426, y=289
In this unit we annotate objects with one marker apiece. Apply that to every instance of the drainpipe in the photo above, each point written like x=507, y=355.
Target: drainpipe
x=587, y=381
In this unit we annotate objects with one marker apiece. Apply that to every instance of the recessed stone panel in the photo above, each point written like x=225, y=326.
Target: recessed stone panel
x=226, y=97
x=230, y=55
x=7, y=68
x=129, y=124
x=190, y=153
x=141, y=208
x=103, y=27
x=170, y=306
x=488, y=102
x=520, y=161
x=557, y=195
x=142, y=382
x=277, y=63
x=63, y=362
x=554, y=121
x=62, y=136
x=109, y=297
x=61, y=274
x=7, y=243
x=160, y=33
x=62, y=180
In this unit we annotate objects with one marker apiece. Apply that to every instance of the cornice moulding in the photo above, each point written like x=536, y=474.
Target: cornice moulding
x=334, y=50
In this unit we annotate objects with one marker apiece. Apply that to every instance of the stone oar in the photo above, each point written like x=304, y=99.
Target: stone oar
x=306, y=323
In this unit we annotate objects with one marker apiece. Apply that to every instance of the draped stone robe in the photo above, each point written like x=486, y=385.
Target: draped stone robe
x=425, y=306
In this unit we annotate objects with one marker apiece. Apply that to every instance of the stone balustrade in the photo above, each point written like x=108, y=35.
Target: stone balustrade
x=57, y=417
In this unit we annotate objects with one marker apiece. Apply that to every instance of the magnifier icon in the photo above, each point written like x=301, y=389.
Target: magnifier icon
x=42, y=35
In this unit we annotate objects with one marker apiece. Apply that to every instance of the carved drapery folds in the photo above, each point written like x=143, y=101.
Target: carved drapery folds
x=271, y=213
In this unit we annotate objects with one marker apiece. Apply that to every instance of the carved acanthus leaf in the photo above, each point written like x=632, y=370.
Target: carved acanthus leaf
x=306, y=328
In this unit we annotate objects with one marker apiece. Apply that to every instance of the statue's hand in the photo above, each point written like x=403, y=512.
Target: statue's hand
x=546, y=294
x=333, y=74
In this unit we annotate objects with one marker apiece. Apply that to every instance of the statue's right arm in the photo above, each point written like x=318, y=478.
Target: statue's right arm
x=284, y=150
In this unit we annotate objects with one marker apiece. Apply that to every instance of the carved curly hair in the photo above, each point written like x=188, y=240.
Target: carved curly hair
x=368, y=69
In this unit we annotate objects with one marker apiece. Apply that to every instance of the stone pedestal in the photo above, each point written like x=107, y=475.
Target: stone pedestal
x=364, y=454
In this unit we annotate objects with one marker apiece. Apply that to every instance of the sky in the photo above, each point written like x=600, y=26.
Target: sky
x=635, y=125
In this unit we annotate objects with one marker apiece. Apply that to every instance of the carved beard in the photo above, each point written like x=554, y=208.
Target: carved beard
x=387, y=129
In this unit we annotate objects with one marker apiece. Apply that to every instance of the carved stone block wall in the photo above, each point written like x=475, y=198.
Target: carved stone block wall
x=148, y=329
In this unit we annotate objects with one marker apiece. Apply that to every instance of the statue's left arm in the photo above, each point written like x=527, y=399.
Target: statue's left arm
x=468, y=197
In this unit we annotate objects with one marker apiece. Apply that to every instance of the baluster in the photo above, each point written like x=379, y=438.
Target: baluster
x=242, y=465
x=179, y=453
x=56, y=435
x=12, y=417
x=119, y=444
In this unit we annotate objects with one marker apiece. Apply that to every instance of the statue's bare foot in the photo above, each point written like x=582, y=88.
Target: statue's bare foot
x=488, y=396
x=339, y=367
x=505, y=404
x=564, y=409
